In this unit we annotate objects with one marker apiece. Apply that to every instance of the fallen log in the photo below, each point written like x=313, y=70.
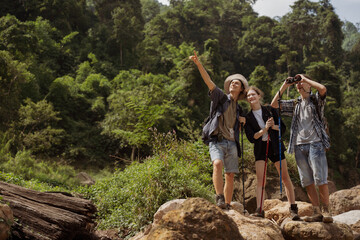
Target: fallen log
x=48, y=215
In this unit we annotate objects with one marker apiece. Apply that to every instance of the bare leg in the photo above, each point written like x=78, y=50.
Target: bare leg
x=313, y=195
x=289, y=188
x=324, y=194
x=259, y=167
x=229, y=187
x=217, y=176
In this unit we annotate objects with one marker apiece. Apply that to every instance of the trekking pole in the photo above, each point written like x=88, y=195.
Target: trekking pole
x=242, y=158
x=264, y=176
x=280, y=144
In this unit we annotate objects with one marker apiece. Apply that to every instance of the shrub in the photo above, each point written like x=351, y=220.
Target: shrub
x=129, y=198
x=25, y=166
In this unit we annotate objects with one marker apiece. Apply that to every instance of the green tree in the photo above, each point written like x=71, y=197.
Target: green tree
x=37, y=128
x=81, y=107
x=36, y=43
x=67, y=15
x=142, y=102
x=149, y=9
x=128, y=26
x=234, y=17
x=256, y=45
x=351, y=111
x=315, y=31
x=16, y=83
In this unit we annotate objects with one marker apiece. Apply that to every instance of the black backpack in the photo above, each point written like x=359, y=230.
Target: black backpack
x=206, y=139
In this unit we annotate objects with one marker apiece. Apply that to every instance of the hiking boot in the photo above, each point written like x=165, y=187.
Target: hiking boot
x=220, y=201
x=294, y=212
x=327, y=218
x=227, y=206
x=316, y=217
x=257, y=213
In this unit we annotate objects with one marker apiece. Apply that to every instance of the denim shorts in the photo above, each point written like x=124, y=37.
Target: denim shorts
x=312, y=163
x=225, y=151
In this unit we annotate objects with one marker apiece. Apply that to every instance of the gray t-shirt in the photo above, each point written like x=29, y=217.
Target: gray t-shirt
x=227, y=122
x=307, y=133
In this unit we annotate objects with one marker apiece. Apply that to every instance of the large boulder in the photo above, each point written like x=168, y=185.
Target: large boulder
x=253, y=228
x=295, y=230
x=6, y=220
x=196, y=219
x=345, y=200
x=279, y=210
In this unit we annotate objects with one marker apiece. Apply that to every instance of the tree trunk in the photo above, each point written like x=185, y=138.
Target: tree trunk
x=132, y=158
x=121, y=57
x=48, y=215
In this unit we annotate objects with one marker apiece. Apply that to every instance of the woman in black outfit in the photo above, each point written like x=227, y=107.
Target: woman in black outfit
x=260, y=122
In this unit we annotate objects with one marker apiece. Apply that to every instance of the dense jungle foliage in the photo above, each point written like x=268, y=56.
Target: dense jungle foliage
x=92, y=84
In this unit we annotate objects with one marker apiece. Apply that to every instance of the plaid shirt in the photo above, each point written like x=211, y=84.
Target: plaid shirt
x=292, y=108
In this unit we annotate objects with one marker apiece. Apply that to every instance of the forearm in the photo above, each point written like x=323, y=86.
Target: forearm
x=318, y=86
x=205, y=76
x=260, y=133
x=275, y=102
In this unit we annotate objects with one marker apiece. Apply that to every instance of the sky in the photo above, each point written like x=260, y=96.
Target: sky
x=346, y=9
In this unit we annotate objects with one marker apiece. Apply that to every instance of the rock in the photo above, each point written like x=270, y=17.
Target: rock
x=109, y=234
x=238, y=207
x=345, y=200
x=279, y=210
x=85, y=179
x=196, y=219
x=295, y=230
x=356, y=227
x=349, y=218
x=6, y=220
x=167, y=207
x=253, y=228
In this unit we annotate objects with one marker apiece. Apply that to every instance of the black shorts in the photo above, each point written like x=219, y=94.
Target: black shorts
x=261, y=155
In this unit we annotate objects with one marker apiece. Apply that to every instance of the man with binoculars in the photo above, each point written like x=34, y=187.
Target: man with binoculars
x=308, y=139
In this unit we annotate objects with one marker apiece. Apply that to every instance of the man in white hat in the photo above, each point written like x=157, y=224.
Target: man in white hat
x=221, y=131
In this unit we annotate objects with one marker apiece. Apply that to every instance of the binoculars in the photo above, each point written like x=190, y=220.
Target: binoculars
x=295, y=79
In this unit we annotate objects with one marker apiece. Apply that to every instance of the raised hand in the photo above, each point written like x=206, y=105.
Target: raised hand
x=195, y=58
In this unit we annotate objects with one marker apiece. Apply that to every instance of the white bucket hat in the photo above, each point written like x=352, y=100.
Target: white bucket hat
x=242, y=79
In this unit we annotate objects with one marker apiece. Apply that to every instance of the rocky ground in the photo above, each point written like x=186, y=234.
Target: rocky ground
x=196, y=218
